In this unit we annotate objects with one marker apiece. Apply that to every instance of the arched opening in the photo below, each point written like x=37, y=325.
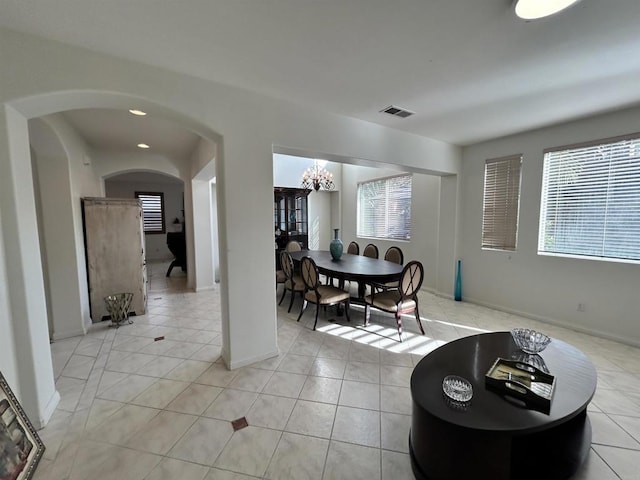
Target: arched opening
x=71, y=169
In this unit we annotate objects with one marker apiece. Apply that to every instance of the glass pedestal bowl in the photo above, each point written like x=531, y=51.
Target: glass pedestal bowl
x=530, y=341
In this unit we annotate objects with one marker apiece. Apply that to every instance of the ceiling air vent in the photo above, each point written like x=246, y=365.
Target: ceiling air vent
x=397, y=111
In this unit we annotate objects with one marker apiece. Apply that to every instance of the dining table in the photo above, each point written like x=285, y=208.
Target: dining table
x=354, y=268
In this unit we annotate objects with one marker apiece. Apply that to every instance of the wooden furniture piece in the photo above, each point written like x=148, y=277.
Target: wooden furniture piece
x=353, y=248
x=356, y=268
x=114, y=249
x=290, y=218
x=314, y=292
x=177, y=244
x=400, y=300
x=495, y=436
x=394, y=254
x=292, y=281
x=370, y=251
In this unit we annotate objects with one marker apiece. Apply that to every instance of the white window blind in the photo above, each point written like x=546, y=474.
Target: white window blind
x=591, y=200
x=152, y=211
x=501, y=202
x=384, y=208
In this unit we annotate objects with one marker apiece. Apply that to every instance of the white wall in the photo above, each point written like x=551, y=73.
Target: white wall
x=425, y=208
x=548, y=288
x=47, y=77
x=155, y=244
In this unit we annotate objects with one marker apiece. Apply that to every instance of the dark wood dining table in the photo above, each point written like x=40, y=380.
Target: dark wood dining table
x=355, y=268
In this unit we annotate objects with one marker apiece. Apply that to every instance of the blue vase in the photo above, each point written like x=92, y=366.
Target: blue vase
x=336, y=246
x=457, y=293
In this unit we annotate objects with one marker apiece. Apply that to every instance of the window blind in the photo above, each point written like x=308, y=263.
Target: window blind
x=152, y=211
x=384, y=208
x=591, y=200
x=501, y=202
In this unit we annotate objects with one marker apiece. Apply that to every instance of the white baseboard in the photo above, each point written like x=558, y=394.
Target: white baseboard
x=68, y=333
x=558, y=323
x=247, y=361
x=45, y=415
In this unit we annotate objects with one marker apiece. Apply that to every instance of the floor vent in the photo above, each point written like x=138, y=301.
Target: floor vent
x=397, y=111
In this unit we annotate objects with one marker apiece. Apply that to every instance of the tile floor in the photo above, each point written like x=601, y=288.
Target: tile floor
x=335, y=404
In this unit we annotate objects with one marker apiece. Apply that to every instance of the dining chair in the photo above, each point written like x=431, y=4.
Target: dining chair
x=353, y=248
x=315, y=292
x=293, y=246
x=398, y=301
x=370, y=251
x=395, y=255
x=280, y=278
x=293, y=282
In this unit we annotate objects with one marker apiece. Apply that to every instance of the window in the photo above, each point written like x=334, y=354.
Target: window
x=591, y=200
x=384, y=208
x=501, y=202
x=152, y=211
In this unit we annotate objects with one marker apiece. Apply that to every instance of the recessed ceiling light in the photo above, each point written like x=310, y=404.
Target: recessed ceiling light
x=137, y=112
x=143, y=145
x=532, y=9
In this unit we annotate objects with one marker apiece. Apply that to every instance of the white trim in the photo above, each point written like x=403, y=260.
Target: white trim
x=52, y=404
x=248, y=361
x=558, y=323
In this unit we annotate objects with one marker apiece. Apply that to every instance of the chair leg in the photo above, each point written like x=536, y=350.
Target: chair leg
x=367, y=314
x=417, y=313
x=293, y=294
x=347, y=304
x=317, y=309
x=399, y=322
x=284, y=292
x=303, y=307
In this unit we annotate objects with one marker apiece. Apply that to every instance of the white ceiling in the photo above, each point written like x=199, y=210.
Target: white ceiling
x=119, y=130
x=469, y=68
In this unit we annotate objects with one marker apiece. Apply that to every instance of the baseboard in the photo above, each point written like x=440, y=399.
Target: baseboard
x=558, y=323
x=232, y=365
x=45, y=415
x=68, y=334
x=205, y=289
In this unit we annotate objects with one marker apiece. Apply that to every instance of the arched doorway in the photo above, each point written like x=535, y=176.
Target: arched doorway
x=27, y=293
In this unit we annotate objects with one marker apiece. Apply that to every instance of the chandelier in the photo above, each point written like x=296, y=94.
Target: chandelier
x=317, y=177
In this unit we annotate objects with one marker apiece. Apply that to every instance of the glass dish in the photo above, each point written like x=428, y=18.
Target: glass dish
x=457, y=388
x=530, y=341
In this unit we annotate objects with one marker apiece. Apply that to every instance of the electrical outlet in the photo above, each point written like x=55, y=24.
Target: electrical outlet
x=582, y=307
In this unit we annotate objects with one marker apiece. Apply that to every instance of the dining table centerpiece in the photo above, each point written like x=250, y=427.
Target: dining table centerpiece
x=336, y=247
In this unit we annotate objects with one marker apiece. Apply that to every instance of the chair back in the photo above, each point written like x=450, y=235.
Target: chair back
x=411, y=279
x=309, y=273
x=293, y=246
x=370, y=251
x=353, y=248
x=395, y=255
x=286, y=262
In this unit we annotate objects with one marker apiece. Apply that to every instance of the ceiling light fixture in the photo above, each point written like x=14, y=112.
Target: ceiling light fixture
x=137, y=112
x=317, y=177
x=533, y=9
x=143, y=145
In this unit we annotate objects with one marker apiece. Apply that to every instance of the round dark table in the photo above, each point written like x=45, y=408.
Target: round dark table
x=355, y=268
x=494, y=437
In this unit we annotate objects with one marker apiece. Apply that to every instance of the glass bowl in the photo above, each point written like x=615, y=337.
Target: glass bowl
x=530, y=341
x=457, y=388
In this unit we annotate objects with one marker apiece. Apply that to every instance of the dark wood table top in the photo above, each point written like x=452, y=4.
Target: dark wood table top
x=472, y=357
x=352, y=267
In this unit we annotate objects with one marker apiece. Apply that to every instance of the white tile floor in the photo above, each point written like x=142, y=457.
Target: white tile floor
x=335, y=403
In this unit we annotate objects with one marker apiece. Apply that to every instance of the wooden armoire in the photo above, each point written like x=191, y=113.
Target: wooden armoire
x=114, y=246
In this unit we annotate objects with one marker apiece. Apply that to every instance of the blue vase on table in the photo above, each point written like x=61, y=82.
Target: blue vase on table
x=336, y=247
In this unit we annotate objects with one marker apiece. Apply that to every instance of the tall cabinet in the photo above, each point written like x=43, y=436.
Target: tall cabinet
x=114, y=246
x=290, y=217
